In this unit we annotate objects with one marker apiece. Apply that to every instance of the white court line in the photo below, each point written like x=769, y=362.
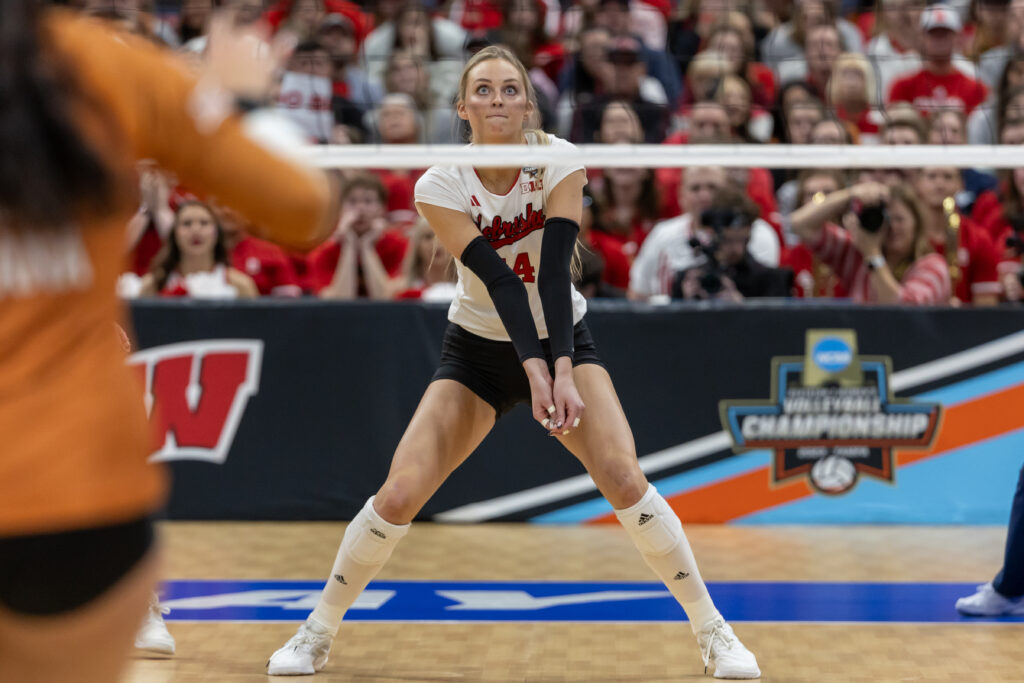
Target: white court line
x=718, y=441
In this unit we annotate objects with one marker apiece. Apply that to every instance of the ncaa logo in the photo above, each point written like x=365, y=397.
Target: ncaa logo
x=832, y=355
x=196, y=394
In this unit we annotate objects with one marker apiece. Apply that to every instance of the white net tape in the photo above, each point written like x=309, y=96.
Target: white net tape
x=665, y=156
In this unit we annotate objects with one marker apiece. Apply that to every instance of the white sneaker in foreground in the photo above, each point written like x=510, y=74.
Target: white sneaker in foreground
x=305, y=653
x=723, y=651
x=153, y=637
x=988, y=603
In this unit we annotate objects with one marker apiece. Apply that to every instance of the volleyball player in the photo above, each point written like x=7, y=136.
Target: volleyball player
x=80, y=106
x=516, y=318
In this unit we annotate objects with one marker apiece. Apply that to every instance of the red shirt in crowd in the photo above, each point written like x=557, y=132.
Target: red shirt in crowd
x=1009, y=256
x=480, y=15
x=277, y=14
x=988, y=213
x=303, y=272
x=811, y=277
x=865, y=123
x=925, y=282
x=930, y=92
x=618, y=253
x=401, y=185
x=550, y=58
x=866, y=24
x=978, y=261
x=322, y=262
x=268, y=265
x=140, y=258
x=762, y=84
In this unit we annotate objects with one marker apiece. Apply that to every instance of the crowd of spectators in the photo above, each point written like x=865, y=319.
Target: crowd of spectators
x=673, y=72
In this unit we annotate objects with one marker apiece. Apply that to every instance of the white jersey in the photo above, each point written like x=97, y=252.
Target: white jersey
x=514, y=225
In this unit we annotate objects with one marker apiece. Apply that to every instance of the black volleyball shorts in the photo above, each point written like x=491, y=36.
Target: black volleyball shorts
x=491, y=369
x=51, y=574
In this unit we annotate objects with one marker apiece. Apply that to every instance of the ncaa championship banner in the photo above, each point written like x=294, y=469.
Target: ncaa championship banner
x=775, y=413
x=831, y=414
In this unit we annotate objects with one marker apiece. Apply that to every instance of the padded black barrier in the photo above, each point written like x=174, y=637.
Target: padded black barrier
x=338, y=382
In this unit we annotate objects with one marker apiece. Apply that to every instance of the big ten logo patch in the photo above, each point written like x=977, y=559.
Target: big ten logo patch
x=831, y=416
x=196, y=393
x=532, y=185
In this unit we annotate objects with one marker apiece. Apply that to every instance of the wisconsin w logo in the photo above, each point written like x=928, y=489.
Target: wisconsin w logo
x=196, y=393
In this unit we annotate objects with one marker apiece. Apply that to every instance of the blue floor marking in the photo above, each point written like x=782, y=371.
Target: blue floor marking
x=559, y=601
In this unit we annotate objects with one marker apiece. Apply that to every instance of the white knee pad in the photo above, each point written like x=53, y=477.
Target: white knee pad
x=652, y=523
x=369, y=539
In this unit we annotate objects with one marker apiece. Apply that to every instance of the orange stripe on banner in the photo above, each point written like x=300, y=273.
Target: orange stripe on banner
x=974, y=421
x=723, y=501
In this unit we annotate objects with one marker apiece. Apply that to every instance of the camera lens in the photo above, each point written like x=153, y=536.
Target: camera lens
x=711, y=282
x=872, y=217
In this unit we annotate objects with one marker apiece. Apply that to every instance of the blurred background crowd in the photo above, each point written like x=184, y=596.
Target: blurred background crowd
x=673, y=72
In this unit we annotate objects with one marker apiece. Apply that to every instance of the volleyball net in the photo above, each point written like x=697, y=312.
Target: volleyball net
x=996, y=156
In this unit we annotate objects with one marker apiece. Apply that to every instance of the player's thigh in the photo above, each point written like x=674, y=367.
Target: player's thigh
x=604, y=441
x=86, y=645
x=448, y=425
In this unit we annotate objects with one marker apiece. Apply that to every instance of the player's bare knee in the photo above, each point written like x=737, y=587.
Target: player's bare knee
x=398, y=501
x=622, y=482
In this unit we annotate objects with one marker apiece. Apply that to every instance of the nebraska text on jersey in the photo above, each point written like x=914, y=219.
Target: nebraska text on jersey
x=501, y=232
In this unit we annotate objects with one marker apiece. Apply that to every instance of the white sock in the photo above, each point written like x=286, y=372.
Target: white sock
x=658, y=534
x=366, y=546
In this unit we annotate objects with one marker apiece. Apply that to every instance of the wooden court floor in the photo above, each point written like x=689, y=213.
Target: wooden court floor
x=364, y=651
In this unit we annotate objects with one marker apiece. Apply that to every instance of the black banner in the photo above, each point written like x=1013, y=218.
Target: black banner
x=291, y=410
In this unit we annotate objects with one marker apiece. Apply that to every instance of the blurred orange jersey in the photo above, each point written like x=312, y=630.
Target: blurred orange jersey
x=74, y=438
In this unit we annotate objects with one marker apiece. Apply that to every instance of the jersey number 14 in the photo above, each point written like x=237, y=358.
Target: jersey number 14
x=523, y=268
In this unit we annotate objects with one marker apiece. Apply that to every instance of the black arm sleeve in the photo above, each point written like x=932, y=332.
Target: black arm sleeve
x=508, y=294
x=553, y=282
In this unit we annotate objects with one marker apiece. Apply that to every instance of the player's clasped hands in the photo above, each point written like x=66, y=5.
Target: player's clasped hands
x=556, y=404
